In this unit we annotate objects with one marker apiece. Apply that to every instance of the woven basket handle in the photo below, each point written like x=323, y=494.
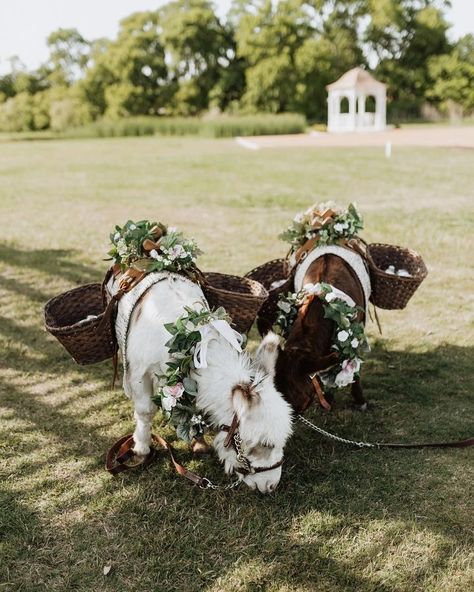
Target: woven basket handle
x=364, y=252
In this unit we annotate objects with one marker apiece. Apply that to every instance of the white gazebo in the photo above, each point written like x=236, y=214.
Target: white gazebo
x=356, y=102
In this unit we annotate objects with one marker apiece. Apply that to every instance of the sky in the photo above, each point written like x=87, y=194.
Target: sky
x=25, y=24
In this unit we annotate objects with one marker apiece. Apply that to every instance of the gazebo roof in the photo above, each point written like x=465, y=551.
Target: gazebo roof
x=358, y=79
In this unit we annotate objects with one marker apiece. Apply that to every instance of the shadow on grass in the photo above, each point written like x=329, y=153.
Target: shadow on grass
x=159, y=533
x=211, y=538
x=54, y=262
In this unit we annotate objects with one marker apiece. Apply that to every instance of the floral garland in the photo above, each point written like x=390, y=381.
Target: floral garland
x=150, y=246
x=176, y=392
x=326, y=222
x=349, y=339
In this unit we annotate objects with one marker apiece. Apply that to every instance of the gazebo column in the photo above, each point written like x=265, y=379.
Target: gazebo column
x=330, y=110
x=352, y=110
x=333, y=111
x=361, y=110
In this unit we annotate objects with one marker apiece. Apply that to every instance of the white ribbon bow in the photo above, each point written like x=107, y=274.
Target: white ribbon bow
x=207, y=335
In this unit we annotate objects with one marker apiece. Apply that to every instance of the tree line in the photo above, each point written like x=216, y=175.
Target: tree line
x=264, y=56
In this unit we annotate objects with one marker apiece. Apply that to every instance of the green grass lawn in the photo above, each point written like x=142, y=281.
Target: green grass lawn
x=341, y=519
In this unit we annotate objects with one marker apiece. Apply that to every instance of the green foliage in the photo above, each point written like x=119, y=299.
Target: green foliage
x=253, y=125
x=348, y=340
x=405, y=36
x=326, y=222
x=167, y=249
x=129, y=75
x=69, y=54
x=268, y=56
x=218, y=127
x=17, y=114
x=67, y=109
x=453, y=76
x=176, y=393
x=202, y=53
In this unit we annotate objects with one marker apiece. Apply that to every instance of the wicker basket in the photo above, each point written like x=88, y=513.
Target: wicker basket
x=241, y=297
x=267, y=274
x=391, y=291
x=65, y=319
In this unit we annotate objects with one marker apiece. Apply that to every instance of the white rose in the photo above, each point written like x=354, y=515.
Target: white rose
x=284, y=306
x=313, y=289
x=122, y=247
x=168, y=403
x=355, y=342
x=132, y=227
x=343, y=336
x=116, y=236
x=330, y=297
x=339, y=227
x=154, y=254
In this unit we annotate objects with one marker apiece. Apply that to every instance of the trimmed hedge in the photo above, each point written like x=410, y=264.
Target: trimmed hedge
x=218, y=127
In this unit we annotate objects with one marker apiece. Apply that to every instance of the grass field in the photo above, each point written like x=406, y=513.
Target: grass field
x=341, y=520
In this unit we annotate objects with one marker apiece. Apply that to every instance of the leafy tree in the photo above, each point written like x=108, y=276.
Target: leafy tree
x=69, y=55
x=404, y=34
x=294, y=49
x=268, y=36
x=17, y=113
x=453, y=76
x=97, y=77
x=202, y=57
x=129, y=75
x=325, y=57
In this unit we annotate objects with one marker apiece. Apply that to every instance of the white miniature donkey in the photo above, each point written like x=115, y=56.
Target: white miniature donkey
x=232, y=388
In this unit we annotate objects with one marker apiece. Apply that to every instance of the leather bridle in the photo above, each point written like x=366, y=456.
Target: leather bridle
x=233, y=438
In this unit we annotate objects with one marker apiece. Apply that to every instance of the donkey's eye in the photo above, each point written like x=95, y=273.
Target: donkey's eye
x=261, y=449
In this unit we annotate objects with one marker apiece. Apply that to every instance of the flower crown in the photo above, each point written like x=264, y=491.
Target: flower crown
x=327, y=222
x=151, y=246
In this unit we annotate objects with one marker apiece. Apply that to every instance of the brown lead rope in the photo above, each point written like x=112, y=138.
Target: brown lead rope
x=457, y=444
x=119, y=455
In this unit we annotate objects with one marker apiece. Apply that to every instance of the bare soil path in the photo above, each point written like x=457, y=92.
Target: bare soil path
x=447, y=137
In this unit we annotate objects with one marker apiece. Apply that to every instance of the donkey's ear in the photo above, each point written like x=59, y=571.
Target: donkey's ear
x=244, y=397
x=267, y=352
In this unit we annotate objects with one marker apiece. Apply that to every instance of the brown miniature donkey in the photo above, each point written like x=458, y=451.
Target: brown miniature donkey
x=308, y=346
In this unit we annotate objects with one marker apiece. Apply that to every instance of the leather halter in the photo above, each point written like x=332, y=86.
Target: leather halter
x=233, y=437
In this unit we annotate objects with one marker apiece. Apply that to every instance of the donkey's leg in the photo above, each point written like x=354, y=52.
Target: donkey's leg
x=140, y=389
x=358, y=394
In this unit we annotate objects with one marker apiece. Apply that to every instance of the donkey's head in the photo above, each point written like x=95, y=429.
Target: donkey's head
x=252, y=446
x=291, y=368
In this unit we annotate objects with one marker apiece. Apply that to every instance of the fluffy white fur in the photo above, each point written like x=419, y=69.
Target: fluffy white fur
x=265, y=418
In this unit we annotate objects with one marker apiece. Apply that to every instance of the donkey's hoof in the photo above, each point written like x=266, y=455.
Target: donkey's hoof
x=141, y=449
x=200, y=447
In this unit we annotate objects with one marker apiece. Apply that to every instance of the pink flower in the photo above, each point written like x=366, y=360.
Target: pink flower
x=171, y=394
x=346, y=375
x=177, y=252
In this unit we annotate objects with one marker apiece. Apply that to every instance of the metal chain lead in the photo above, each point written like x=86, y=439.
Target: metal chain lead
x=311, y=425
x=243, y=460
x=208, y=484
